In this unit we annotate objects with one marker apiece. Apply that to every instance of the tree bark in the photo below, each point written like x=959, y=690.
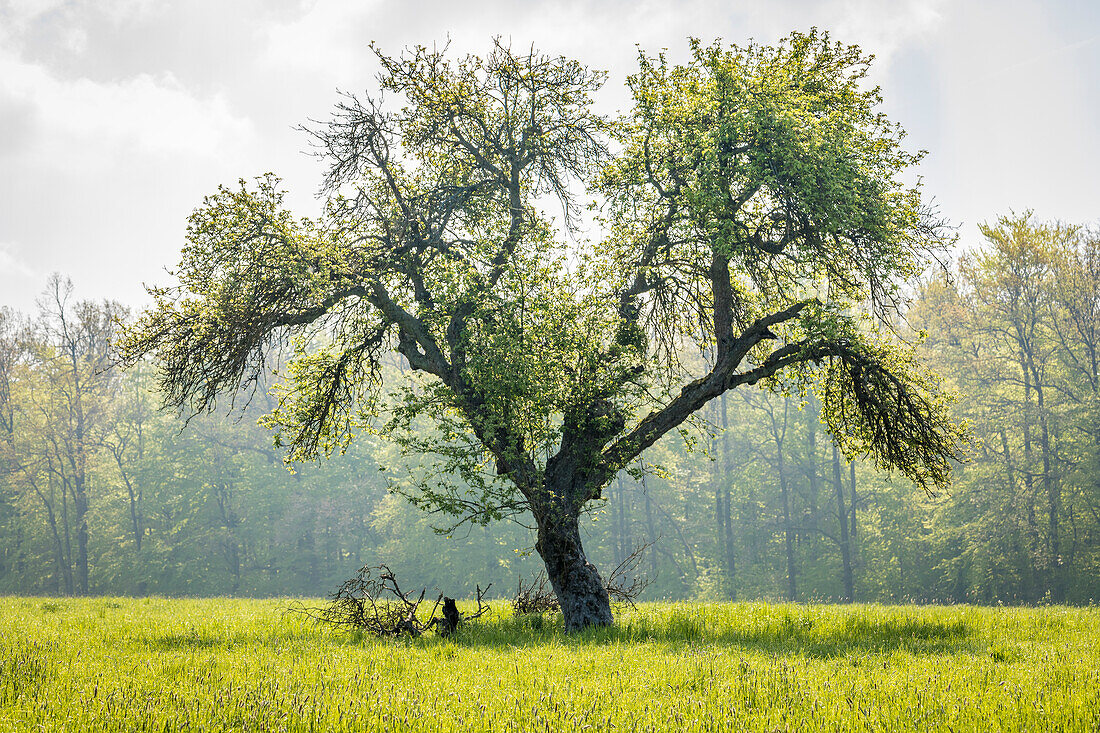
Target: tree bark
x=80, y=504
x=855, y=500
x=1028, y=477
x=79, y=462
x=1053, y=491
x=63, y=570
x=788, y=528
x=651, y=526
x=1054, y=500
x=813, y=417
x=622, y=542
x=842, y=514
x=577, y=584
x=66, y=526
x=779, y=435
x=726, y=522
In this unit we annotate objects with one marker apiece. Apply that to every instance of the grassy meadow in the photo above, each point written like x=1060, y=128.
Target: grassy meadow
x=226, y=664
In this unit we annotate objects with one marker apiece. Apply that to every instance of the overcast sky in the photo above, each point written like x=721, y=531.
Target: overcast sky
x=118, y=116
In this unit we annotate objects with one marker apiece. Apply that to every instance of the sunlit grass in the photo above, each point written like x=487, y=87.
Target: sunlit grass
x=218, y=664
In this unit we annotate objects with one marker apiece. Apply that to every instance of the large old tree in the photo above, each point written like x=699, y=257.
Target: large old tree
x=748, y=207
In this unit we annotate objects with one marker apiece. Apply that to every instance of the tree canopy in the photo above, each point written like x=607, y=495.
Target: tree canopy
x=753, y=228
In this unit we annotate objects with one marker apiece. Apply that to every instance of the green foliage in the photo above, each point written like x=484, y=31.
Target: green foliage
x=210, y=509
x=775, y=157
x=1016, y=333
x=750, y=185
x=767, y=169
x=880, y=402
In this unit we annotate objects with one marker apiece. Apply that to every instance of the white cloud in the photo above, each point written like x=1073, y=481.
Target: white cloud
x=75, y=40
x=155, y=114
x=1020, y=104
x=12, y=265
x=117, y=116
x=119, y=10
x=21, y=12
x=326, y=38
x=884, y=27
x=100, y=173
x=326, y=42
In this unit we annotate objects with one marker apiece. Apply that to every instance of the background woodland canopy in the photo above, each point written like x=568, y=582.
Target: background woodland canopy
x=101, y=492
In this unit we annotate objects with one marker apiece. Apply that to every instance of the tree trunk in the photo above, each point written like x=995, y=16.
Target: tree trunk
x=842, y=514
x=1032, y=522
x=59, y=555
x=576, y=582
x=788, y=529
x=727, y=520
x=67, y=564
x=718, y=476
x=621, y=540
x=80, y=504
x=855, y=499
x=651, y=527
x=80, y=477
x=813, y=417
x=1054, y=507
x=1053, y=491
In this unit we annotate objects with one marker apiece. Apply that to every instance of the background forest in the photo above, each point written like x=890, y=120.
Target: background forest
x=103, y=493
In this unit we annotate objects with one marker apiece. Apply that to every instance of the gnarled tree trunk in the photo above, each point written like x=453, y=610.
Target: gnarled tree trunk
x=576, y=582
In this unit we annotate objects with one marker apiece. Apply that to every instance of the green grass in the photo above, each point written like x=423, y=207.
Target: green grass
x=219, y=664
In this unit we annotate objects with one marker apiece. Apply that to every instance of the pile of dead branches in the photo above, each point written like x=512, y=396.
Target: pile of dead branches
x=373, y=602
x=534, y=597
x=624, y=586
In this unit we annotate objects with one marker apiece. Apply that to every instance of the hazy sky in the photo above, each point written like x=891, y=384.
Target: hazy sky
x=118, y=116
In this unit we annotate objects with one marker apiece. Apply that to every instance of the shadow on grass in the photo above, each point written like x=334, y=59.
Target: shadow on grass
x=783, y=633
x=196, y=642
x=860, y=636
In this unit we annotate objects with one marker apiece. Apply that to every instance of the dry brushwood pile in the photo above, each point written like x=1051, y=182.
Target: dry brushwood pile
x=538, y=597
x=373, y=602
x=534, y=597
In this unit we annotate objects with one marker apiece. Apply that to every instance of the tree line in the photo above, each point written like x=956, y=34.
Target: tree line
x=106, y=493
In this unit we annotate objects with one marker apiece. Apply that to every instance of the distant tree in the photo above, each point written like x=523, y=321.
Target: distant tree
x=55, y=406
x=754, y=196
x=11, y=353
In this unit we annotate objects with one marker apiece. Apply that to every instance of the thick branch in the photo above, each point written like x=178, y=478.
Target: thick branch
x=415, y=342
x=696, y=394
